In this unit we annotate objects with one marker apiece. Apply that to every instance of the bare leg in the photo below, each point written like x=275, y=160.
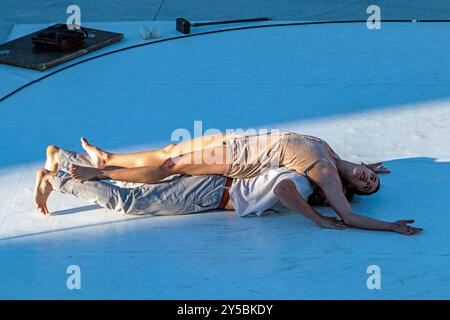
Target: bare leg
x=184, y=164
x=196, y=144
x=52, y=152
x=104, y=159
x=42, y=189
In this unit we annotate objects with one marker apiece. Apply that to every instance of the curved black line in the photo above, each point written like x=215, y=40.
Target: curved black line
x=202, y=34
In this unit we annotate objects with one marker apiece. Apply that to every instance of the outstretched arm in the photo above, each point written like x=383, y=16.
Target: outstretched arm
x=287, y=193
x=332, y=188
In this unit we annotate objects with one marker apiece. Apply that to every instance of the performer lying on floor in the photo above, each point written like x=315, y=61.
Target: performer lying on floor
x=178, y=194
x=181, y=194
x=244, y=156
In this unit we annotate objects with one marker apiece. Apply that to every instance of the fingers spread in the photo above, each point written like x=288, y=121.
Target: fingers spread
x=413, y=231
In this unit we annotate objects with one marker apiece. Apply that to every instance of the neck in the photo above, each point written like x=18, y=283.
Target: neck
x=345, y=168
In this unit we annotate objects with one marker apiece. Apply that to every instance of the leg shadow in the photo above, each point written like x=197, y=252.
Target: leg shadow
x=76, y=210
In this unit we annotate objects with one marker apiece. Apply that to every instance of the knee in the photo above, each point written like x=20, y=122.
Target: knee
x=52, y=150
x=168, y=167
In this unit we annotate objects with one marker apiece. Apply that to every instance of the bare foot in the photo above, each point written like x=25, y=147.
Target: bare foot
x=84, y=173
x=42, y=190
x=53, y=152
x=98, y=156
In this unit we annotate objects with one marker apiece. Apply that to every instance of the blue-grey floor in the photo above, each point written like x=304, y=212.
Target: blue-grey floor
x=373, y=95
x=44, y=11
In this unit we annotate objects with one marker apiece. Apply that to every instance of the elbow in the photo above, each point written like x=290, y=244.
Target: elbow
x=283, y=188
x=278, y=191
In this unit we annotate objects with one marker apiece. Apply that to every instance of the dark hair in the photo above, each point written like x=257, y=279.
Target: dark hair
x=317, y=198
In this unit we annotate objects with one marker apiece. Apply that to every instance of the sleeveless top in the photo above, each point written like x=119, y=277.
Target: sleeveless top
x=301, y=152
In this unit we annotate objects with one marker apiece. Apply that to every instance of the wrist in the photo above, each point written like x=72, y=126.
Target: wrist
x=391, y=226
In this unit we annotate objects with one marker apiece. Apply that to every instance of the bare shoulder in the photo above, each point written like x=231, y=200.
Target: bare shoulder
x=324, y=172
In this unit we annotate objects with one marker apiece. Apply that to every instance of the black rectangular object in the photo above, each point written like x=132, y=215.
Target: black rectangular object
x=22, y=53
x=183, y=26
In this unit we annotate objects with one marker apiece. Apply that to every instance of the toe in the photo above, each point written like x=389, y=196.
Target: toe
x=84, y=141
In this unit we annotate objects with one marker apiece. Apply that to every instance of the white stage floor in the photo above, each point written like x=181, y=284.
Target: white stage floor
x=373, y=95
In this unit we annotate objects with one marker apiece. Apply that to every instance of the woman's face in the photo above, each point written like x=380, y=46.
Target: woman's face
x=364, y=179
